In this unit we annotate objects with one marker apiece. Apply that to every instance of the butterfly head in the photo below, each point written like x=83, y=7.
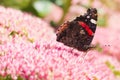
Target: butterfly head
x=91, y=15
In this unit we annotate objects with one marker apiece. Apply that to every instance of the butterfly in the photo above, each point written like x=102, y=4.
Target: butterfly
x=79, y=33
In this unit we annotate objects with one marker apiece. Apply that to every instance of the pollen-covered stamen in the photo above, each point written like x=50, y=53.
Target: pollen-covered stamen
x=86, y=27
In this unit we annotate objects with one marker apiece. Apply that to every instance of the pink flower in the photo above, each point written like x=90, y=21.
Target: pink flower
x=54, y=61
x=109, y=41
x=17, y=26
x=28, y=49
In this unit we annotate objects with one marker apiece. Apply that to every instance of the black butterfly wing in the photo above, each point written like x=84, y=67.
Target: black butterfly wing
x=76, y=35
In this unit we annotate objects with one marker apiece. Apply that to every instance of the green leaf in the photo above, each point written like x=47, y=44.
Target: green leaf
x=13, y=33
x=20, y=78
x=102, y=20
x=112, y=67
x=116, y=73
x=98, y=47
x=52, y=23
x=1, y=77
x=42, y=7
x=65, y=6
x=15, y=3
x=8, y=77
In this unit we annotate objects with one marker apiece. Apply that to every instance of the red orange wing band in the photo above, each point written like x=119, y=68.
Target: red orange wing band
x=86, y=27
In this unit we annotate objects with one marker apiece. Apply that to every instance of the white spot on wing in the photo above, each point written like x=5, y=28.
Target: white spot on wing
x=93, y=21
x=88, y=16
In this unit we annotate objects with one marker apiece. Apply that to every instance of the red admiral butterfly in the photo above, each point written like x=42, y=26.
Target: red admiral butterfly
x=79, y=32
